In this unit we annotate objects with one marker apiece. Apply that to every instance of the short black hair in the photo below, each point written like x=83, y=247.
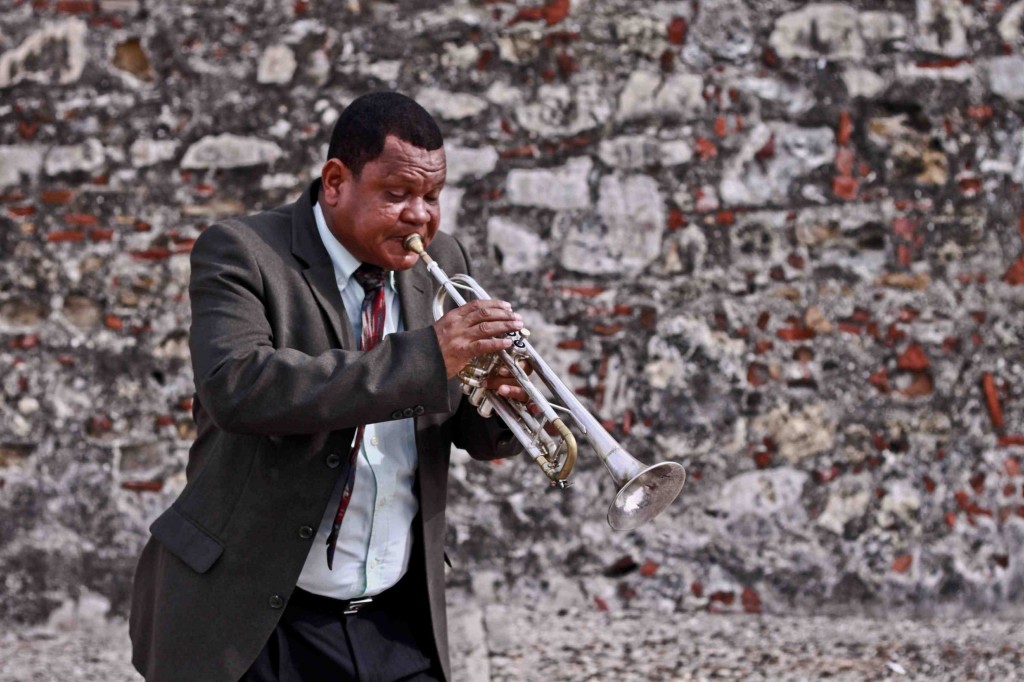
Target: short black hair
x=359, y=134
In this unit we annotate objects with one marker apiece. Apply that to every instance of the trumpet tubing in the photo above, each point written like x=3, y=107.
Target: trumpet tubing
x=643, y=491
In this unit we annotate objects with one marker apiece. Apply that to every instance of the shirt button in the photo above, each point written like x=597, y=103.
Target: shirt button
x=374, y=441
x=333, y=461
x=306, y=532
x=276, y=601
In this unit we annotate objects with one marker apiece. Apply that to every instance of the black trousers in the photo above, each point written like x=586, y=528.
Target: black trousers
x=314, y=641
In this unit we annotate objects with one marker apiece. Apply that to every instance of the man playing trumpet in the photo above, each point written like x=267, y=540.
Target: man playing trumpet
x=308, y=541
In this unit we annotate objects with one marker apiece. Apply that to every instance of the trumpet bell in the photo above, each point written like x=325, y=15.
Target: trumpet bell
x=646, y=495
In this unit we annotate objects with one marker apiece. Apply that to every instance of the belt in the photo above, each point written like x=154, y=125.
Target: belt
x=348, y=607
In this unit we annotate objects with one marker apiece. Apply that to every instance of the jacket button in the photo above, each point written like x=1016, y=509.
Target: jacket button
x=333, y=460
x=397, y=414
x=306, y=532
x=418, y=410
x=276, y=601
x=407, y=412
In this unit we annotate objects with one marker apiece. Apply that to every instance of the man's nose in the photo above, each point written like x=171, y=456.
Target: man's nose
x=415, y=211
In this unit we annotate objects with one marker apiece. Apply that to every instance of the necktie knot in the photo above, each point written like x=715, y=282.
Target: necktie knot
x=370, y=278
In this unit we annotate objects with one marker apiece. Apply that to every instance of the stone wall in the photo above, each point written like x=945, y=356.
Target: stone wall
x=778, y=242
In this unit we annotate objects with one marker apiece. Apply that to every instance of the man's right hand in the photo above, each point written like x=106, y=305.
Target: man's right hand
x=475, y=329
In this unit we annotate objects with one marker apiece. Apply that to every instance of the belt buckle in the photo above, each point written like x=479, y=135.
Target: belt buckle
x=354, y=605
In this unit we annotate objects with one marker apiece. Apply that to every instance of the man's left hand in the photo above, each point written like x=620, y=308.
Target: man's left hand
x=506, y=385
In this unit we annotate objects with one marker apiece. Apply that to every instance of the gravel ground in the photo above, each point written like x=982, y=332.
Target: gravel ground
x=598, y=646
x=504, y=643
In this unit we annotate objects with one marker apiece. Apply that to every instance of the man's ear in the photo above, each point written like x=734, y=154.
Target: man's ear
x=335, y=178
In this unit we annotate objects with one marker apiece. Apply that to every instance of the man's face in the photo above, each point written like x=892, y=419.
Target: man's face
x=396, y=195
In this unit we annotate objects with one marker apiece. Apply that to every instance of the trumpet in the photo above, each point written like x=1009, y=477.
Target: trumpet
x=643, y=491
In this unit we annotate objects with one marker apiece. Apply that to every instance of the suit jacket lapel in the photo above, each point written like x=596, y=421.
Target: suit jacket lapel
x=416, y=289
x=325, y=288
x=416, y=293
x=318, y=270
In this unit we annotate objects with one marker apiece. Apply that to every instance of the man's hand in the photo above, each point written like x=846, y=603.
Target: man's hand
x=506, y=385
x=475, y=329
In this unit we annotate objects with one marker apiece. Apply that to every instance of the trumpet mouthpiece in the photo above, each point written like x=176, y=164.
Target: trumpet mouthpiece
x=413, y=243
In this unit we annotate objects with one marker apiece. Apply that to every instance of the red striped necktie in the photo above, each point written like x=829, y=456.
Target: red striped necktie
x=371, y=279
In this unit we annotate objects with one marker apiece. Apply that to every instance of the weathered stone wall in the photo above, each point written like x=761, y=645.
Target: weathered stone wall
x=776, y=241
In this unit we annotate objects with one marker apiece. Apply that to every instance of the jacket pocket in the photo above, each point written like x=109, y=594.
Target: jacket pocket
x=185, y=539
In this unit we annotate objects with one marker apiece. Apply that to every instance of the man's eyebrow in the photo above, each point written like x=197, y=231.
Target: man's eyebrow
x=401, y=178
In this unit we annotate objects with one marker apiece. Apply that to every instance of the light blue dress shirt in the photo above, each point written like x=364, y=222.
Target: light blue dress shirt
x=375, y=540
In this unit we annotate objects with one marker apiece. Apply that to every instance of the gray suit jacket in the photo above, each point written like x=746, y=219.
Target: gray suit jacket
x=280, y=390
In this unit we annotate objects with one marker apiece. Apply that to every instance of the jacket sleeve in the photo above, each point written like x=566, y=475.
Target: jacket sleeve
x=483, y=439
x=249, y=386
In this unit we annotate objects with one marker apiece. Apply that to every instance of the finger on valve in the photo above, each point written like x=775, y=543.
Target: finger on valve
x=523, y=363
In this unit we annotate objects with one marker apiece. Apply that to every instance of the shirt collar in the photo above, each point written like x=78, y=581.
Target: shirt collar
x=345, y=264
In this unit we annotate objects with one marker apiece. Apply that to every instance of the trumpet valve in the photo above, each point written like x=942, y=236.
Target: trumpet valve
x=485, y=409
x=478, y=397
x=478, y=369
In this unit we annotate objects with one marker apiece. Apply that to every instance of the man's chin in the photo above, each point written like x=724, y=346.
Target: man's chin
x=403, y=262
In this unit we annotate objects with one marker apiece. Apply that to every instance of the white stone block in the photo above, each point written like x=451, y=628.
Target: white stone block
x=798, y=435
x=639, y=151
x=557, y=111
x=863, y=82
x=646, y=94
x=55, y=54
x=272, y=181
x=385, y=70
x=150, y=152
x=451, y=204
x=880, y=27
x=773, y=492
x=828, y=30
x=562, y=188
x=451, y=106
x=629, y=151
x=468, y=162
x=750, y=181
x=277, y=65
x=725, y=29
x=230, y=151
x=1006, y=76
x=87, y=157
x=632, y=214
x=942, y=27
x=849, y=500
x=794, y=97
x=521, y=249
x=676, y=153
x=1011, y=25
x=19, y=162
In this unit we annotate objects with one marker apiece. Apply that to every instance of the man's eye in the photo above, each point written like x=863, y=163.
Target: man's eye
x=397, y=196
x=432, y=198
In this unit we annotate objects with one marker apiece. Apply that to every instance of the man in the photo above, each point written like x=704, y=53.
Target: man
x=308, y=541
